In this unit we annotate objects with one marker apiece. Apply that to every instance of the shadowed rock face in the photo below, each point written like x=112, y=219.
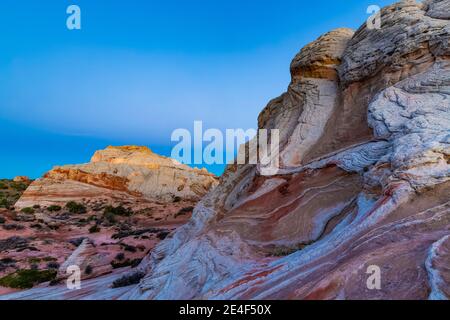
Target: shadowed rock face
x=364, y=181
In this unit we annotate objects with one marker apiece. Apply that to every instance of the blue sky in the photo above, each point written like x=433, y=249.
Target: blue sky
x=139, y=69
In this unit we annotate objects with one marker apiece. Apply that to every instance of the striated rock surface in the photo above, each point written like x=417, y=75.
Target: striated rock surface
x=118, y=173
x=364, y=181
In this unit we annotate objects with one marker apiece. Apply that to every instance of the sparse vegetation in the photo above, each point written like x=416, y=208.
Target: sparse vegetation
x=27, y=278
x=27, y=210
x=124, y=234
x=13, y=226
x=120, y=256
x=184, y=211
x=76, y=208
x=162, y=234
x=10, y=192
x=54, y=208
x=77, y=241
x=19, y=186
x=127, y=263
x=94, y=229
x=110, y=217
x=8, y=260
x=53, y=265
x=88, y=270
x=118, y=211
x=128, y=247
x=129, y=279
x=285, y=251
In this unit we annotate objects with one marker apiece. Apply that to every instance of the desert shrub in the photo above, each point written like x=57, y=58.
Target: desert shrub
x=129, y=279
x=3, y=186
x=110, y=217
x=162, y=234
x=75, y=207
x=28, y=210
x=27, y=278
x=19, y=186
x=47, y=259
x=77, y=241
x=55, y=282
x=127, y=263
x=14, y=243
x=53, y=265
x=118, y=211
x=13, y=226
x=88, y=270
x=4, y=203
x=176, y=199
x=54, y=208
x=184, y=211
x=94, y=229
x=120, y=256
x=124, y=234
x=8, y=260
x=283, y=251
x=128, y=248
x=34, y=260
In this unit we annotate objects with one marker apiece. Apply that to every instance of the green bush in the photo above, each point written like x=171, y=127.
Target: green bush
x=75, y=207
x=28, y=210
x=128, y=279
x=53, y=265
x=26, y=279
x=3, y=186
x=120, y=256
x=4, y=203
x=94, y=229
x=110, y=217
x=88, y=270
x=19, y=186
x=54, y=208
x=118, y=211
x=127, y=263
x=184, y=211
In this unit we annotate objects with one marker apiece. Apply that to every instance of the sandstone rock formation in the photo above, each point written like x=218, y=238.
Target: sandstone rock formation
x=118, y=174
x=364, y=181
x=365, y=144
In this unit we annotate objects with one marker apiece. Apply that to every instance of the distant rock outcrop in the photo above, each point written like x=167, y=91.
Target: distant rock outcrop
x=119, y=173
